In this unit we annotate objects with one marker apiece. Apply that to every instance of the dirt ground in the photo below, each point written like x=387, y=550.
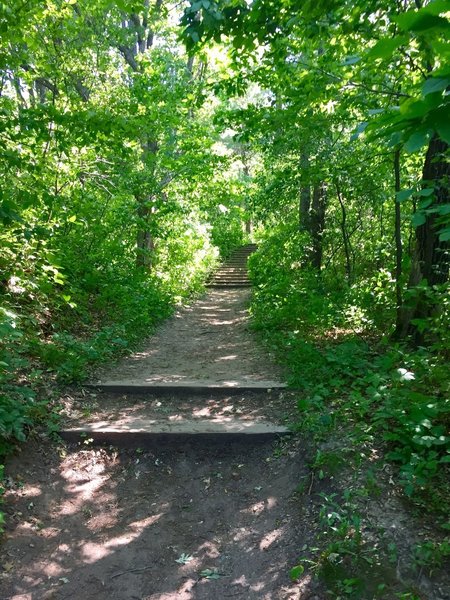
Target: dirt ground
x=183, y=523
x=82, y=405
x=208, y=342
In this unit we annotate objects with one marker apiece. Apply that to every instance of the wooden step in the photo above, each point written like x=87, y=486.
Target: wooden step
x=142, y=432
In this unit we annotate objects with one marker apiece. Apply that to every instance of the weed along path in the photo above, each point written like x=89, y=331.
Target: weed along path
x=177, y=481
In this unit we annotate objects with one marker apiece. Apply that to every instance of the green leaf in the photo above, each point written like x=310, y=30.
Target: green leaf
x=404, y=195
x=359, y=130
x=425, y=203
x=444, y=235
x=416, y=141
x=210, y=574
x=418, y=218
x=435, y=84
x=184, y=558
x=351, y=60
x=303, y=404
x=385, y=47
x=195, y=37
x=426, y=192
x=296, y=572
x=444, y=209
x=436, y=7
x=420, y=21
x=443, y=130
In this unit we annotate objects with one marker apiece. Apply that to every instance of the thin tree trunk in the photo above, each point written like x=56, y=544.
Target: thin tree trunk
x=305, y=196
x=345, y=238
x=317, y=224
x=144, y=40
x=398, y=243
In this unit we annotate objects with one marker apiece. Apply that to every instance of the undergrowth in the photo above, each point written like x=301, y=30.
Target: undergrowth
x=386, y=402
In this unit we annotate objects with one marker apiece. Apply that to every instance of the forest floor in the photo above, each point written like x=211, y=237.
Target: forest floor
x=193, y=521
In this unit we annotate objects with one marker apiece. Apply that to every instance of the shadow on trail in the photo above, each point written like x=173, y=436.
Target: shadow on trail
x=116, y=525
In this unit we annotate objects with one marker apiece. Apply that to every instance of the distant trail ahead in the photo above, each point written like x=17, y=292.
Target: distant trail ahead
x=207, y=344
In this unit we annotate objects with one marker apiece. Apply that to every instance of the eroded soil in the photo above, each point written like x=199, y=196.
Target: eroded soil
x=118, y=525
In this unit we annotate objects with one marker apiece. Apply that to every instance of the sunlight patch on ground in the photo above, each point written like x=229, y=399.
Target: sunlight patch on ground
x=271, y=537
x=138, y=527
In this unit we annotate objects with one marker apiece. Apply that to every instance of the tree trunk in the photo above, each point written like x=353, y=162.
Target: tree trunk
x=430, y=261
x=305, y=197
x=345, y=236
x=317, y=224
x=143, y=40
x=398, y=243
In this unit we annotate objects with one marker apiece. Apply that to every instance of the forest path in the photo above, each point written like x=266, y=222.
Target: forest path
x=202, y=373
x=205, y=344
x=194, y=519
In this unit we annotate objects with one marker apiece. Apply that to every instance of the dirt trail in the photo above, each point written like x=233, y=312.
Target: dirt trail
x=206, y=343
x=108, y=525
x=183, y=522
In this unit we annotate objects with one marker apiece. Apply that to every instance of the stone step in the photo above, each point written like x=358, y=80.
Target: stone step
x=232, y=269
x=236, y=276
x=143, y=432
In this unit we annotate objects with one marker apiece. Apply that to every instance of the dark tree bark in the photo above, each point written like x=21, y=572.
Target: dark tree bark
x=430, y=260
x=305, y=197
x=398, y=242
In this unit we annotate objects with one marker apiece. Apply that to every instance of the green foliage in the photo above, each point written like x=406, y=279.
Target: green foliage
x=2, y=491
x=431, y=555
x=373, y=391
x=343, y=556
x=109, y=204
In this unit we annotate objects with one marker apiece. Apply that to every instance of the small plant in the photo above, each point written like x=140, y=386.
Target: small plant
x=431, y=555
x=184, y=558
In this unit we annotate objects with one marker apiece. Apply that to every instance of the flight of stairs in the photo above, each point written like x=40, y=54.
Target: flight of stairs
x=233, y=273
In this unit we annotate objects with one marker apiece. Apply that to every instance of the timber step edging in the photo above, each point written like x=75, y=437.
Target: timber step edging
x=203, y=388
